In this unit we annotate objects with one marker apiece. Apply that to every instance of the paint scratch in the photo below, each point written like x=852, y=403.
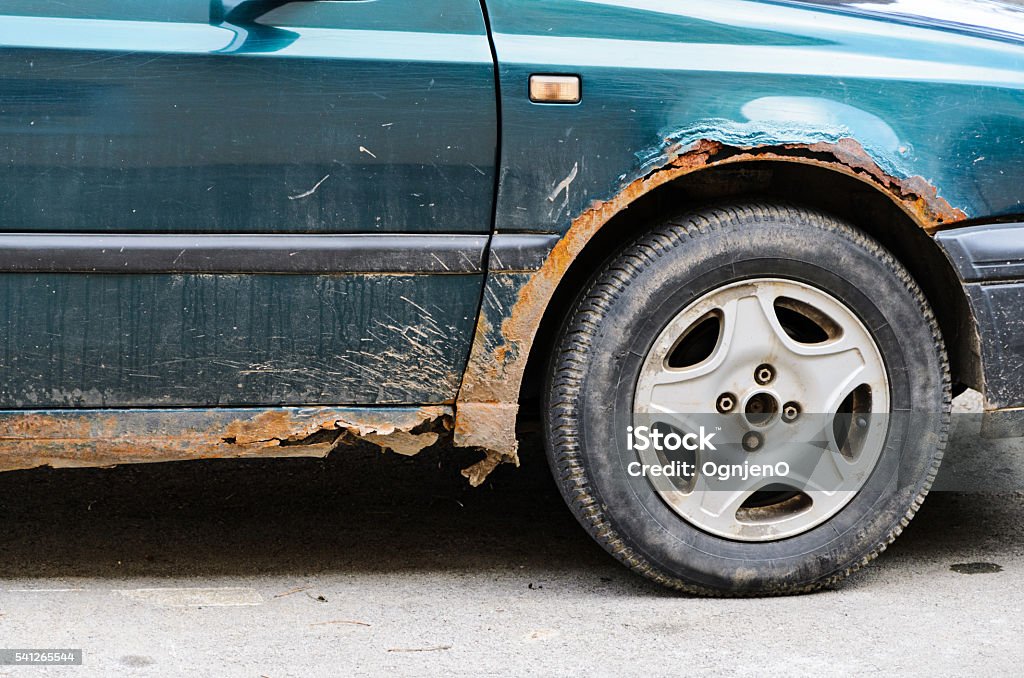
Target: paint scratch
x=306, y=194
x=564, y=184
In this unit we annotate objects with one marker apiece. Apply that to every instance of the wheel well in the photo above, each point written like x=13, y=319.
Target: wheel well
x=860, y=204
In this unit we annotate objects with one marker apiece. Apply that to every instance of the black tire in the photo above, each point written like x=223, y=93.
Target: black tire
x=593, y=373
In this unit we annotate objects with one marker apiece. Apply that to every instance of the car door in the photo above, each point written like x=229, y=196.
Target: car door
x=245, y=202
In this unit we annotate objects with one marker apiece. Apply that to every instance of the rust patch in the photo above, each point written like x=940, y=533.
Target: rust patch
x=494, y=373
x=919, y=199
x=478, y=472
x=28, y=440
x=476, y=426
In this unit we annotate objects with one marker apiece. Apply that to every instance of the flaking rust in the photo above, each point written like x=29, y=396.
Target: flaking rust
x=485, y=413
x=104, y=438
x=488, y=400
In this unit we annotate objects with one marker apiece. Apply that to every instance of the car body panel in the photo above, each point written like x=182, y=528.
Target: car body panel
x=989, y=259
x=997, y=312
x=127, y=121
x=927, y=115
x=342, y=118
x=203, y=340
x=986, y=253
x=127, y=125
x=922, y=102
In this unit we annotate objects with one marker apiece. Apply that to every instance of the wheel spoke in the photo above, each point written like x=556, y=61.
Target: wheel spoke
x=718, y=500
x=749, y=323
x=832, y=372
x=688, y=390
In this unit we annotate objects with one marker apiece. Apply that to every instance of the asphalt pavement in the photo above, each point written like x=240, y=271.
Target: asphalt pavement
x=376, y=564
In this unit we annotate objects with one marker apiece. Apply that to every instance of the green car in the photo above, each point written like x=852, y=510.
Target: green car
x=737, y=255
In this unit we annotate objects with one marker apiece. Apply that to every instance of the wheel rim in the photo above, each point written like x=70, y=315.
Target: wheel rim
x=757, y=358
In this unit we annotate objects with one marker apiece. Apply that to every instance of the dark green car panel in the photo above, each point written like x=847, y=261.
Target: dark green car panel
x=101, y=340
x=386, y=117
x=185, y=126
x=243, y=118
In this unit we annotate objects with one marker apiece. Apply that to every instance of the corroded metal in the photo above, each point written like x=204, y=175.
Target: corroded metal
x=488, y=399
x=75, y=438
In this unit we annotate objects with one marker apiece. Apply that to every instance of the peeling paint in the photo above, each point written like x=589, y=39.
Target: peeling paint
x=69, y=438
x=487, y=402
x=880, y=146
x=478, y=472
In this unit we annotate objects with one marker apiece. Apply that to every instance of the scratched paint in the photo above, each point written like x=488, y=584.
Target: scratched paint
x=83, y=340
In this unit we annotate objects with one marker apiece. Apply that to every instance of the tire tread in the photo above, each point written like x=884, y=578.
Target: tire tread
x=566, y=377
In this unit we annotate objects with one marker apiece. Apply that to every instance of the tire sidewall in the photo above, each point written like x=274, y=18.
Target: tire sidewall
x=836, y=261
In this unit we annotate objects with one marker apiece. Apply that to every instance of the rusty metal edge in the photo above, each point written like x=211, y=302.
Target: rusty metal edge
x=79, y=438
x=486, y=407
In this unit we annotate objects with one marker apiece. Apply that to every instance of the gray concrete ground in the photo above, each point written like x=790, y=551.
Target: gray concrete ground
x=371, y=564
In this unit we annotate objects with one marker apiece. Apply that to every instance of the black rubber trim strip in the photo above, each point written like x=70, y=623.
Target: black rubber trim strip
x=279, y=253
x=520, y=251
x=986, y=253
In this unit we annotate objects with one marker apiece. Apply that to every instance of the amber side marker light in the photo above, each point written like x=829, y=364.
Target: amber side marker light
x=555, y=89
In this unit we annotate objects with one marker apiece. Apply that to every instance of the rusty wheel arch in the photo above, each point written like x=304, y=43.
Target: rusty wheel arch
x=493, y=386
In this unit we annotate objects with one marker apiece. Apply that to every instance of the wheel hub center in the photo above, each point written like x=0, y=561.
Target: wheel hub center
x=761, y=408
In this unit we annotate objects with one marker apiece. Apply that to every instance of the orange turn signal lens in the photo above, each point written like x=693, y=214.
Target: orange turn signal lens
x=555, y=89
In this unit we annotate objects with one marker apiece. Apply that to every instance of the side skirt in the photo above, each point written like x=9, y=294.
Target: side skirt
x=105, y=437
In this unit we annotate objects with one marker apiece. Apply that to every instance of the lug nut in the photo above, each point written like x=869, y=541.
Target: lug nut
x=790, y=411
x=752, y=441
x=764, y=374
x=726, y=403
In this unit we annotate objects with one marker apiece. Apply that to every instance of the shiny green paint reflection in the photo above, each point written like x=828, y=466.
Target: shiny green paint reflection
x=151, y=37
x=124, y=125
